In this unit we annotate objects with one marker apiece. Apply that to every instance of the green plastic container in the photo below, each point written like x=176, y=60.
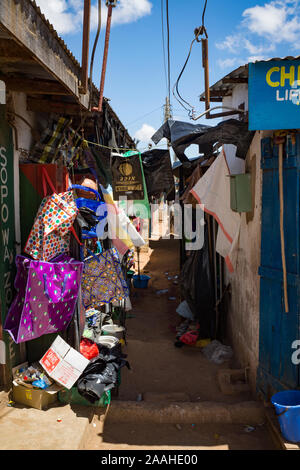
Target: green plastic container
x=241, y=193
x=73, y=397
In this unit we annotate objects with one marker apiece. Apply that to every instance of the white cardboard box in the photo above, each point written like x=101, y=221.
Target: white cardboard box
x=63, y=363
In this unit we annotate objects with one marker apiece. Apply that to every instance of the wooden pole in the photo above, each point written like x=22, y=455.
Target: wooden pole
x=280, y=169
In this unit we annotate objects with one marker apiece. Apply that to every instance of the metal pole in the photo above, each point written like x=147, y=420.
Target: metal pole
x=105, y=54
x=206, y=73
x=85, y=47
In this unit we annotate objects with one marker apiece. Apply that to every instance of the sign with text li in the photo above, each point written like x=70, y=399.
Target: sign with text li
x=274, y=95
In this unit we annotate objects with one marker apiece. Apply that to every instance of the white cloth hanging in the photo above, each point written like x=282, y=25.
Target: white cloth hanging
x=213, y=192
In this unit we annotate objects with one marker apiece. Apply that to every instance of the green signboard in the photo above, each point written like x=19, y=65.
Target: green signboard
x=7, y=240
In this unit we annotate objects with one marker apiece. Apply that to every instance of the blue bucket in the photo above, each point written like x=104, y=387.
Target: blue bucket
x=287, y=406
x=141, y=282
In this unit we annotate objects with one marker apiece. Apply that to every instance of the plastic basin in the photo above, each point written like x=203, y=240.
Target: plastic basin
x=287, y=407
x=141, y=282
x=113, y=330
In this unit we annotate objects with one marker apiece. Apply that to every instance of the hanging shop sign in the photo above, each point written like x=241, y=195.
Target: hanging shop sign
x=274, y=95
x=127, y=177
x=7, y=234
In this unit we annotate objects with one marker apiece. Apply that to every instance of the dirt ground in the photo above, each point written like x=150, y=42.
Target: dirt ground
x=159, y=370
x=157, y=365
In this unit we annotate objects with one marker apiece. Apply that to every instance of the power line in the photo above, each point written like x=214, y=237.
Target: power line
x=168, y=37
x=163, y=41
x=198, y=32
x=147, y=114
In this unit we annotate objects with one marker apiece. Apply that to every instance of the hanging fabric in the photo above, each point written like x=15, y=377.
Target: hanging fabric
x=103, y=281
x=97, y=206
x=50, y=234
x=158, y=174
x=213, y=191
x=121, y=231
x=46, y=297
x=129, y=183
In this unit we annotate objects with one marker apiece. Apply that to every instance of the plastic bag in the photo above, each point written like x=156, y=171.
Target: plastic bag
x=184, y=310
x=88, y=348
x=217, y=352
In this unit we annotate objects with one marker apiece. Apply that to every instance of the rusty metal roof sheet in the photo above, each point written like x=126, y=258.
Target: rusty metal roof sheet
x=57, y=44
x=240, y=75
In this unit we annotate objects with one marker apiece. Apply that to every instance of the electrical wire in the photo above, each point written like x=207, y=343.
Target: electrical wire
x=168, y=38
x=203, y=14
x=147, y=114
x=163, y=42
x=87, y=112
x=198, y=32
x=94, y=50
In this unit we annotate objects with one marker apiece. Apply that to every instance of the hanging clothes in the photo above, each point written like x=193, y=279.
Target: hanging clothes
x=121, y=231
x=213, y=192
x=187, y=197
x=158, y=174
x=50, y=234
x=103, y=280
x=47, y=293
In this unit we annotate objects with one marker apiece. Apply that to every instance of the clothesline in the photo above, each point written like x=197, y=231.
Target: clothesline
x=114, y=148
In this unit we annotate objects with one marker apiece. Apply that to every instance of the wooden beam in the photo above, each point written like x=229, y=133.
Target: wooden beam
x=50, y=106
x=34, y=87
x=25, y=25
x=213, y=99
x=235, y=80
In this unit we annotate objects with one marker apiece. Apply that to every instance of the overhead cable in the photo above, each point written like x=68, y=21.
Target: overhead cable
x=168, y=37
x=198, y=32
x=163, y=42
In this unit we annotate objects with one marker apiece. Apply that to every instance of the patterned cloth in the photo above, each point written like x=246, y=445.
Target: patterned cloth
x=46, y=297
x=103, y=280
x=58, y=142
x=50, y=234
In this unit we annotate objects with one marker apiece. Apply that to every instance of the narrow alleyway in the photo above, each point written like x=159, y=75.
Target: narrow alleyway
x=163, y=375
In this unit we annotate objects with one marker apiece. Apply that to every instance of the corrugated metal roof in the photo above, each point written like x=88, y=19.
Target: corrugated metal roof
x=72, y=57
x=54, y=33
x=225, y=86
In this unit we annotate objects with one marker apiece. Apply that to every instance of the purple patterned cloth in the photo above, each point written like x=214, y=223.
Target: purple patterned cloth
x=47, y=293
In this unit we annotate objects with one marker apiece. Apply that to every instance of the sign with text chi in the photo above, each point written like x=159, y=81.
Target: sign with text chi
x=274, y=95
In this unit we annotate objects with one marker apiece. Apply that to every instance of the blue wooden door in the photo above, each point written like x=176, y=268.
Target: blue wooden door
x=278, y=329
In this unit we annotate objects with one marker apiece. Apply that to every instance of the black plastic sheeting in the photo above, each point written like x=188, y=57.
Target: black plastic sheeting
x=101, y=374
x=183, y=134
x=158, y=173
x=197, y=288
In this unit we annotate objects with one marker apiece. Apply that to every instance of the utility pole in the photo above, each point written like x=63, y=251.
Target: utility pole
x=167, y=110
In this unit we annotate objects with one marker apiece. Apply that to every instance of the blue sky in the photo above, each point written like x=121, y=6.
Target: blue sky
x=239, y=31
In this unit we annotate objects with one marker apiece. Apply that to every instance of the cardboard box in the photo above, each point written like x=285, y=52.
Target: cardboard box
x=63, y=363
x=35, y=398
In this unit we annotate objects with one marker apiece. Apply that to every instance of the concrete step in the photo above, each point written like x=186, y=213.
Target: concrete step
x=166, y=397
x=251, y=413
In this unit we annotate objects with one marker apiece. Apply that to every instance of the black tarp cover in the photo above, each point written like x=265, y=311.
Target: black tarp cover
x=196, y=285
x=158, y=173
x=183, y=134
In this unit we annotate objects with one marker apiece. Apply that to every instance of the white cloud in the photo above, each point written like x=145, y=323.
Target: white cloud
x=230, y=62
x=277, y=20
x=145, y=133
x=262, y=29
x=255, y=58
x=66, y=15
x=127, y=11
x=231, y=43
